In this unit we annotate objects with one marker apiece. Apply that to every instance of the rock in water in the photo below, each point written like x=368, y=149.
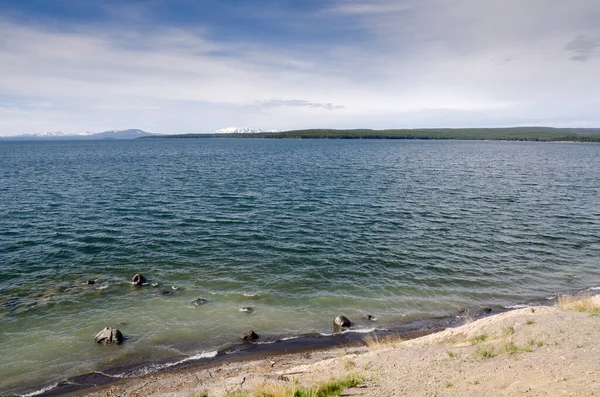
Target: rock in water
x=109, y=336
x=250, y=335
x=342, y=321
x=90, y=282
x=200, y=302
x=247, y=309
x=138, y=279
x=369, y=317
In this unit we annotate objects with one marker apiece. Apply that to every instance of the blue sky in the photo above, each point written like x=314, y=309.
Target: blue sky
x=176, y=66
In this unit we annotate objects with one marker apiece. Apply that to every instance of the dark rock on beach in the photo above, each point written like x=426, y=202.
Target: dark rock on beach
x=138, y=280
x=342, y=321
x=250, y=336
x=109, y=336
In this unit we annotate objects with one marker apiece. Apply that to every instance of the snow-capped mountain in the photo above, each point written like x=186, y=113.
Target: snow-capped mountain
x=243, y=130
x=50, y=134
x=112, y=134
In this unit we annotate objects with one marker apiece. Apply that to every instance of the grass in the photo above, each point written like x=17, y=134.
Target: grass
x=237, y=393
x=448, y=385
x=538, y=343
x=333, y=387
x=584, y=303
x=451, y=354
x=478, y=339
x=529, y=322
x=374, y=342
x=347, y=363
x=505, y=347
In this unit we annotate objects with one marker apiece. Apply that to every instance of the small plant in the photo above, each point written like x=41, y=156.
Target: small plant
x=478, y=339
x=373, y=341
x=532, y=309
x=508, y=330
x=334, y=387
x=238, y=393
x=579, y=346
x=529, y=322
x=451, y=354
x=486, y=352
x=581, y=302
x=448, y=385
x=347, y=363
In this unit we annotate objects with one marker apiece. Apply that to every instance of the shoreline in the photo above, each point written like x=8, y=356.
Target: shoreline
x=248, y=352
x=538, y=350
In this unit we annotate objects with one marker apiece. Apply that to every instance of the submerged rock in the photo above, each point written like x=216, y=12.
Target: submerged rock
x=369, y=317
x=138, y=280
x=109, y=336
x=342, y=321
x=90, y=282
x=250, y=336
x=247, y=309
x=200, y=302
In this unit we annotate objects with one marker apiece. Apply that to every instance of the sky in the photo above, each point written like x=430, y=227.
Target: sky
x=182, y=66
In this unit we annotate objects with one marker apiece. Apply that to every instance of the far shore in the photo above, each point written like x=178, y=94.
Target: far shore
x=537, y=350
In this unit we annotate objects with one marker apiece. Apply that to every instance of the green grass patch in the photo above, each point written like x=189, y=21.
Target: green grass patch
x=478, y=339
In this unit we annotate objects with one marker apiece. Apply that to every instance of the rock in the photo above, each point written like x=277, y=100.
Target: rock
x=462, y=310
x=487, y=310
x=200, y=302
x=247, y=309
x=138, y=280
x=167, y=292
x=342, y=321
x=250, y=336
x=109, y=336
x=90, y=282
x=369, y=317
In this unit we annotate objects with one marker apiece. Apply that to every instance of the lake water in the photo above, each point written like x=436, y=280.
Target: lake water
x=299, y=230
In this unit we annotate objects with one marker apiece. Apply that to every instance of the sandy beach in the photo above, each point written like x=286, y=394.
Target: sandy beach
x=533, y=351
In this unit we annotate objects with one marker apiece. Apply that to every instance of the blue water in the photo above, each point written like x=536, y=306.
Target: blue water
x=299, y=230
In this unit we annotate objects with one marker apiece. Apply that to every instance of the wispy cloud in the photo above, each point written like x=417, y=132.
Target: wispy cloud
x=584, y=48
x=271, y=103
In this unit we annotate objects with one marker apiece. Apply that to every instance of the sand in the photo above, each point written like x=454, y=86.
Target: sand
x=535, y=351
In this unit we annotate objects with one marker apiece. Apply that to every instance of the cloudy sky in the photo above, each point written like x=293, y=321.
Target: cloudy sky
x=177, y=66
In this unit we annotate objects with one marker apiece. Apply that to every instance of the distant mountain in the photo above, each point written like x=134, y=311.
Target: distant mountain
x=236, y=130
x=59, y=135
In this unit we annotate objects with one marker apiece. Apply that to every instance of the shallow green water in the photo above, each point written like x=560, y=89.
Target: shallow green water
x=299, y=230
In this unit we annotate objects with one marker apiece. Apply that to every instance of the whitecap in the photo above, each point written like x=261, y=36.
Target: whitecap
x=517, y=306
x=40, y=391
x=157, y=367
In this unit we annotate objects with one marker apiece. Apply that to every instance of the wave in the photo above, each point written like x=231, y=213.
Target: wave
x=151, y=368
x=40, y=391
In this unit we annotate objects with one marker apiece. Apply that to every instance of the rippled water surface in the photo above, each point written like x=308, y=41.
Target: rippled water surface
x=298, y=230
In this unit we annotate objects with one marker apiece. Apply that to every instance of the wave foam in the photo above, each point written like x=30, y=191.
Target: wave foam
x=40, y=391
x=158, y=367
